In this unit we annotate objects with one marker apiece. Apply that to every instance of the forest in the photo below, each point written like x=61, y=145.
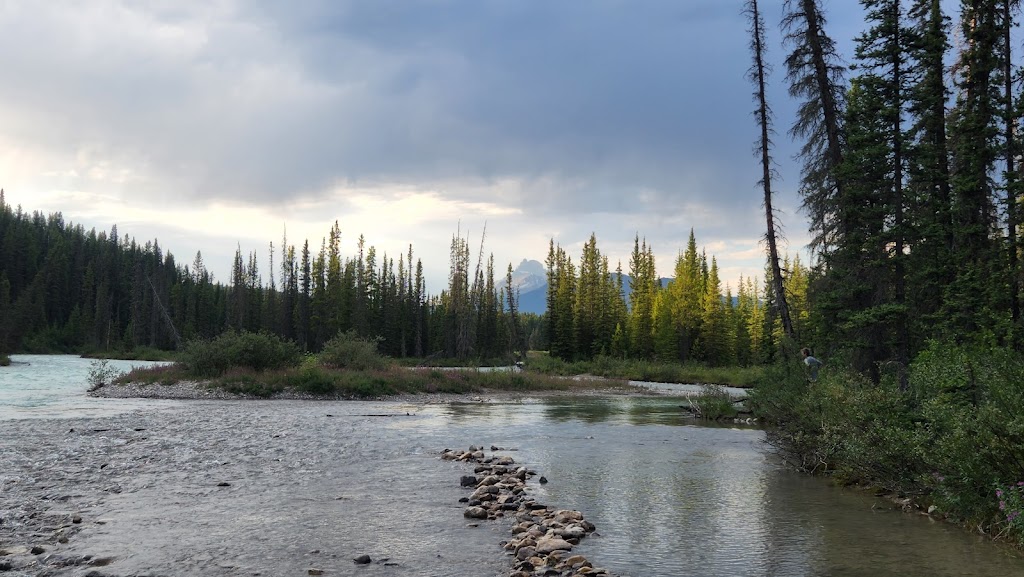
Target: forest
x=65, y=289
x=911, y=173
x=910, y=179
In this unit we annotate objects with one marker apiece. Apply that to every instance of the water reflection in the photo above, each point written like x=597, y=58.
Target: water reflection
x=672, y=497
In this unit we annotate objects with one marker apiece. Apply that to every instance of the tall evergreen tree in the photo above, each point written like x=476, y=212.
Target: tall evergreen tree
x=816, y=76
x=758, y=74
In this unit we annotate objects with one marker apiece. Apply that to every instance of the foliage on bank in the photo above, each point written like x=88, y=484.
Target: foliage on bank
x=263, y=365
x=954, y=439
x=645, y=370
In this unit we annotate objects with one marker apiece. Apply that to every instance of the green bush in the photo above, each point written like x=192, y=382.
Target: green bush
x=101, y=374
x=349, y=351
x=312, y=380
x=713, y=403
x=955, y=439
x=256, y=351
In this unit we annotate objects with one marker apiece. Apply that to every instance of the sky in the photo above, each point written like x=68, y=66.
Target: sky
x=224, y=125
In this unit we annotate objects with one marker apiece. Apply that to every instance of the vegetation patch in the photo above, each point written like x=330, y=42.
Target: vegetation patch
x=645, y=370
x=953, y=441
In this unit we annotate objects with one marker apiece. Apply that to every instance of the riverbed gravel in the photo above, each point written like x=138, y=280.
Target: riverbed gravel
x=233, y=488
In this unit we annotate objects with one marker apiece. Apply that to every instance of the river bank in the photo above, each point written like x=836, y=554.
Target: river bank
x=194, y=390
x=222, y=488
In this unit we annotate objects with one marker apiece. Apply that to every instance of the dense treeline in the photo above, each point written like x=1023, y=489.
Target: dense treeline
x=911, y=178
x=911, y=182
x=692, y=318
x=65, y=289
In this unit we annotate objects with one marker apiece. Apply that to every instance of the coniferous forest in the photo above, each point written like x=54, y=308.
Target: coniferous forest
x=911, y=171
x=65, y=289
x=910, y=180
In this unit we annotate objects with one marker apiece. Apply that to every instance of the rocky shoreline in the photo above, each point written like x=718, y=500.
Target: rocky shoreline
x=543, y=538
x=195, y=390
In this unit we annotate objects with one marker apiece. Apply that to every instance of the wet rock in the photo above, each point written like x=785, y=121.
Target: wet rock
x=542, y=480
x=468, y=481
x=542, y=537
x=314, y=571
x=551, y=544
x=362, y=560
x=525, y=553
x=37, y=550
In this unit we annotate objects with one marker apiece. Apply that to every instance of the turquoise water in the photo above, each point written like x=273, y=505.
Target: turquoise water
x=47, y=386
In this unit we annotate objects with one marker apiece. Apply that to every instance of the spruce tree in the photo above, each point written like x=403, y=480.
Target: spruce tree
x=815, y=76
x=758, y=74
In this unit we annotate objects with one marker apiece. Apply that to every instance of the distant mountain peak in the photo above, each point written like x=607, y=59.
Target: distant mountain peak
x=531, y=267
x=530, y=275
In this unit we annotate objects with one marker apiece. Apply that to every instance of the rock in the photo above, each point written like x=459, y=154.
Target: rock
x=475, y=513
x=362, y=560
x=549, y=544
x=314, y=571
x=543, y=480
x=37, y=550
x=571, y=532
x=224, y=484
x=525, y=553
x=76, y=519
x=932, y=509
x=468, y=481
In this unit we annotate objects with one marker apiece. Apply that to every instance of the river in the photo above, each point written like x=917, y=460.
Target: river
x=281, y=487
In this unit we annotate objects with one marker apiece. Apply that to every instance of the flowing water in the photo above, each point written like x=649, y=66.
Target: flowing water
x=279, y=487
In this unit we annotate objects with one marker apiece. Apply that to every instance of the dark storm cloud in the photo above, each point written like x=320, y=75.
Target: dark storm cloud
x=614, y=97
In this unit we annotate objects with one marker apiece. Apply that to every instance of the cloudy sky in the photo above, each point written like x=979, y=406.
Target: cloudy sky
x=219, y=124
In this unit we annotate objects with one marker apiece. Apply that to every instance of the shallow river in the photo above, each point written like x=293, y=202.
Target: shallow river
x=315, y=484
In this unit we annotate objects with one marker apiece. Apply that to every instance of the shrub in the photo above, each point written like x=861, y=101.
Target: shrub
x=101, y=374
x=713, y=403
x=312, y=380
x=257, y=351
x=349, y=351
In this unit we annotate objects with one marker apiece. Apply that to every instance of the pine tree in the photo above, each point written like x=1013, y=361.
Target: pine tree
x=816, y=76
x=643, y=284
x=930, y=264
x=976, y=294
x=758, y=74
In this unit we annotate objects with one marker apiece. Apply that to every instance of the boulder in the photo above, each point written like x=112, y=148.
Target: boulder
x=549, y=544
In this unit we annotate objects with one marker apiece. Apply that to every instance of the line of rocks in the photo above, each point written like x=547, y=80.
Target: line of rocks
x=542, y=538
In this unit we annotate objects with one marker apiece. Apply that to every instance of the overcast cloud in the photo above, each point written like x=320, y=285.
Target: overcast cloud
x=214, y=125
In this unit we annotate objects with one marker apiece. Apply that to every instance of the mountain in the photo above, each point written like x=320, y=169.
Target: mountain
x=531, y=278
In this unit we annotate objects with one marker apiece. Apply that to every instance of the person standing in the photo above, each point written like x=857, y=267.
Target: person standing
x=812, y=364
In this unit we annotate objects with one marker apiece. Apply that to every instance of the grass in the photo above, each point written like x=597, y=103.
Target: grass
x=349, y=366
x=317, y=380
x=641, y=370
